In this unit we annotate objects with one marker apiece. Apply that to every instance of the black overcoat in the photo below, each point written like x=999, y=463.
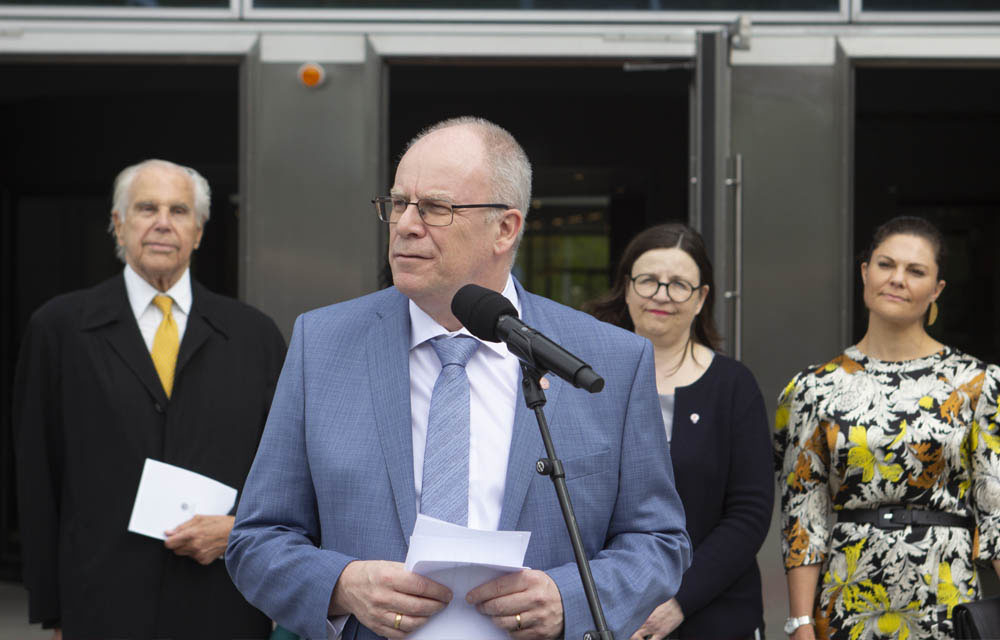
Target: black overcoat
x=88, y=410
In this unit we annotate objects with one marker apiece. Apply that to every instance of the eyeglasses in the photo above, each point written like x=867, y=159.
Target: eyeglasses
x=647, y=286
x=434, y=213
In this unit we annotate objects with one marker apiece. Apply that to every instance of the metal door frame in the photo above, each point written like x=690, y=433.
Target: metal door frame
x=714, y=207
x=957, y=48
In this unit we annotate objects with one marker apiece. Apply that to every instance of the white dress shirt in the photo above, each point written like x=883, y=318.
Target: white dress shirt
x=148, y=315
x=493, y=378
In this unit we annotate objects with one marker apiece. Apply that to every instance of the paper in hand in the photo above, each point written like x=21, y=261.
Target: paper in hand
x=462, y=559
x=169, y=495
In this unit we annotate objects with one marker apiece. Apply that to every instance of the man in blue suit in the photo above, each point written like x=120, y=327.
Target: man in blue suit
x=351, y=450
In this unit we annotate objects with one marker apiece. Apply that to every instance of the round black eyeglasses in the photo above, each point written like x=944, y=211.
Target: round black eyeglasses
x=647, y=286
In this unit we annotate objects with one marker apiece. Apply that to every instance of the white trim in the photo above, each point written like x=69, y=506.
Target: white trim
x=327, y=42
x=134, y=43
x=667, y=45
x=782, y=50
x=639, y=32
x=854, y=9
x=299, y=41
x=927, y=17
x=511, y=16
x=930, y=47
x=11, y=27
x=295, y=48
x=150, y=13
x=332, y=43
x=875, y=30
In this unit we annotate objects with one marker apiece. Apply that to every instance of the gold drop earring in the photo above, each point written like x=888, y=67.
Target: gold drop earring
x=932, y=313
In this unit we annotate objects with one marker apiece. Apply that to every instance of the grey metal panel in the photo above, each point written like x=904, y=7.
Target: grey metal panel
x=712, y=213
x=786, y=125
x=844, y=108
x=315, y=160
x=249, y=88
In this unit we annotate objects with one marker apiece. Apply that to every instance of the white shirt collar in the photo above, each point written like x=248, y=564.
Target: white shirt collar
x=423, y=327
x=141, y=293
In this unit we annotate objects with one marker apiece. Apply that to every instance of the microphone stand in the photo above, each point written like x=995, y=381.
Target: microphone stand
x=551, y=466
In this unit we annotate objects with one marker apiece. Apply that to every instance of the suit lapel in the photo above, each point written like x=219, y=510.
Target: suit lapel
x=108, y=313
x=389, y=373
x=526, y=443
x=198, y=326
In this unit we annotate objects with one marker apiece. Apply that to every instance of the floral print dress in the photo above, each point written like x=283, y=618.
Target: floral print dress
x=860, y=433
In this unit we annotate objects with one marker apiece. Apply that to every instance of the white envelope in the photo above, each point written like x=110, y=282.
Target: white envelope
x=169, y=495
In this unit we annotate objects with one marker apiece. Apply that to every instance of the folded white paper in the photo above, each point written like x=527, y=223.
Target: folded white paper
x=170, y=495
x=462, y=559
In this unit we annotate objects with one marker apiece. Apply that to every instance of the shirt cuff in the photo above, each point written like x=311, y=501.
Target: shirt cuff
x=335, y=627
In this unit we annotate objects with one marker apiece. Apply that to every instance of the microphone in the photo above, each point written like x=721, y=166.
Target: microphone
x=490, y=316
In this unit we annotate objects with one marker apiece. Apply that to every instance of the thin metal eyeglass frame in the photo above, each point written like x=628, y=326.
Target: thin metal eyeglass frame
x=666, y=287
x=379, y=200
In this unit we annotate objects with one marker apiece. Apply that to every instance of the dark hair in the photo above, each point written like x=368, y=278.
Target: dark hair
x=612, y=308
x=910, y=226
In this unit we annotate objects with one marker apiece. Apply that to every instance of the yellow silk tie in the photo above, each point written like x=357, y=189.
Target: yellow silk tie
x=165, y=344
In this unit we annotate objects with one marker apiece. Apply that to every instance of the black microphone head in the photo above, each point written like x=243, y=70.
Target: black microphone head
x=479, y=309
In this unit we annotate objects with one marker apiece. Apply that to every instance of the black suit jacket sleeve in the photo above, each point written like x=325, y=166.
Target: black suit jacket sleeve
x=729, y=548
x=38, y=452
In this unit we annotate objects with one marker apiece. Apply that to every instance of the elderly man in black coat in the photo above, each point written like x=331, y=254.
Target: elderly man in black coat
x=148, y=364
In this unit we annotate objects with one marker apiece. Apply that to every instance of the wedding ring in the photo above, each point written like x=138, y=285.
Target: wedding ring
x=399, y=618
x=518, y=618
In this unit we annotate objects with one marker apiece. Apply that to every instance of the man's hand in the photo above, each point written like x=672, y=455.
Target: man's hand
x=203, y=538
x=530, y=594
x=57, y=634
x=377, y=591
x=664, y=619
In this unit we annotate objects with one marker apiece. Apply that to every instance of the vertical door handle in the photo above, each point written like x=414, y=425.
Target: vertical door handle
x=736, y=293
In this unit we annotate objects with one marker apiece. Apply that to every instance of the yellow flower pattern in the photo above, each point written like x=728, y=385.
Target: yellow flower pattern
x=947, y=591
x=859, y=433
x=862, y=457
x=874, y=611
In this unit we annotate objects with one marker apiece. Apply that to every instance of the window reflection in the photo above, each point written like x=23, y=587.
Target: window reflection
x=565, y=251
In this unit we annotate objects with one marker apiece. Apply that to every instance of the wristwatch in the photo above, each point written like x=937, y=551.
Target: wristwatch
x=794, y=623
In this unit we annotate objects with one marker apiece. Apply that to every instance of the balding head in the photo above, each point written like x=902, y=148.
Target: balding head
x=506, y=162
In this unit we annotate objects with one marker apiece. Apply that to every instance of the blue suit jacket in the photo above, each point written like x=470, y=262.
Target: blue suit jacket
x=333, y=478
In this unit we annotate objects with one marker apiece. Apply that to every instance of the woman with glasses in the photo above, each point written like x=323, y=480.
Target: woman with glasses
x=716, y=424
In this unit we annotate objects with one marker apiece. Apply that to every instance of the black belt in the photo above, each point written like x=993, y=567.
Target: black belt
x=899, y=516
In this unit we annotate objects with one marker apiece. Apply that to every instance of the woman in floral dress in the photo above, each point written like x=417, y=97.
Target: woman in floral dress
x=888, y=461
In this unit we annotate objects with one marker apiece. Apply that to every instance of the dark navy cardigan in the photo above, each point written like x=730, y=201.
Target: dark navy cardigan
x=721, y=453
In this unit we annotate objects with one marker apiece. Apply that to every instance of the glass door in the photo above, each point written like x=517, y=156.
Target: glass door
x=608, y=144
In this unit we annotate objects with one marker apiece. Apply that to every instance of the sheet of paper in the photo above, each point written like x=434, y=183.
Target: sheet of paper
x=462, y=559
x=439, y=540
x=169, y=495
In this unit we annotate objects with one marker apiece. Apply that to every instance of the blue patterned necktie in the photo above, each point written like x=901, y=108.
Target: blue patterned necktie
x=445, y=489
